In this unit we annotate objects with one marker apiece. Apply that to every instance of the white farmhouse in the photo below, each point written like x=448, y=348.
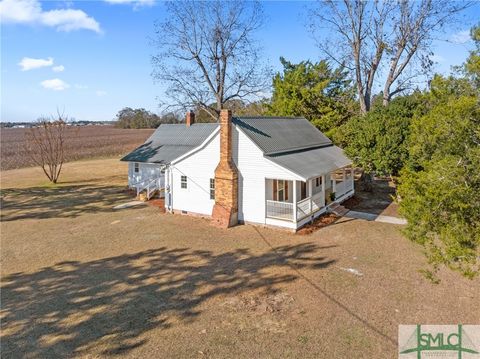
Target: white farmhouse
x=273, y=171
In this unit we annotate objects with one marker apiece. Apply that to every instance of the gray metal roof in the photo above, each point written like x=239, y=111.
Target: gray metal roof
x=171, y=141
x=281, y=134
x=293, y=143
x=312, y=162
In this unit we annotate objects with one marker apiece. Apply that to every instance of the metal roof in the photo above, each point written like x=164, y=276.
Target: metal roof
x=171, y=141
x=281, y=134
x=312, y=162
x=291, y=142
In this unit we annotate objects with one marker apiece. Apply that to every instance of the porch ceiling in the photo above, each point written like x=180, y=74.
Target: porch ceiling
x=312, y=162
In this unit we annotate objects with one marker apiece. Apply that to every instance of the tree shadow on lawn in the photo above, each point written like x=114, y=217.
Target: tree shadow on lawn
x=60, y=201
x=76, y=307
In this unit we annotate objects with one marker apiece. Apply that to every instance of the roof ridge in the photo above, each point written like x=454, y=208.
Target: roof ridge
x=298, y=149
x=272, y=117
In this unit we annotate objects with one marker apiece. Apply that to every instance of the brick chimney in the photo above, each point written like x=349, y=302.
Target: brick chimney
x=225, y=211
x=190, y=119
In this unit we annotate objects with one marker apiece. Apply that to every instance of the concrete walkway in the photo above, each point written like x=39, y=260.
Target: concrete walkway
x=129, y=204
x=375, y=217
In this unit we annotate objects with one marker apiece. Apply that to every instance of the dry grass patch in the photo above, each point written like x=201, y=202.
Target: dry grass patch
x=80, y=279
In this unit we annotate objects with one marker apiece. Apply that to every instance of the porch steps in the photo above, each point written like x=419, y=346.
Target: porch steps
x=338, y=209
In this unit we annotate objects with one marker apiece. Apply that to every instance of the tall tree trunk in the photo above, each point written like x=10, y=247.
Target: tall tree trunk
x=364, y=107
x=366, y=181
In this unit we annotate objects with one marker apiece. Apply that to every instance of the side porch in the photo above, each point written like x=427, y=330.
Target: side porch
x=292, y=203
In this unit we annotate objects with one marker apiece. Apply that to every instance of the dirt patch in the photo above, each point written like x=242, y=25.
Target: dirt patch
x=352, y=202
x=319, y=222
x=261, y=304
x=380, y=201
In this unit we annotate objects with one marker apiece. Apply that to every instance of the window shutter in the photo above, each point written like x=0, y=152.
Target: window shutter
x=275, y=194
x=286, y=191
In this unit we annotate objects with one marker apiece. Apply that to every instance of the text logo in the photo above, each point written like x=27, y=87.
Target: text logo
x=439, y=341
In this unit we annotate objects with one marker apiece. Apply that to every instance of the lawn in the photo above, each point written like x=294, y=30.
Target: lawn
x=81, y=279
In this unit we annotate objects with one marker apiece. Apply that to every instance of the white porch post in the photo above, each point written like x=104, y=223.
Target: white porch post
x=334, y=182
x=323, y=190
x=310, y=192
x=294, y=201
x=352, y=177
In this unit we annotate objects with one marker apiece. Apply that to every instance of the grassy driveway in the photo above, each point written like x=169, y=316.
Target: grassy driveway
x=81, y=279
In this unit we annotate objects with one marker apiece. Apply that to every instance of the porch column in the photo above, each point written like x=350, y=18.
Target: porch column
x=323, y=190
x=294, y=199
x=334, y=182
x=352, y=177
x=310, y=193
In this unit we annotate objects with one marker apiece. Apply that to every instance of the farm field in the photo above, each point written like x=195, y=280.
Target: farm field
x=79, y=279
x=82, y=142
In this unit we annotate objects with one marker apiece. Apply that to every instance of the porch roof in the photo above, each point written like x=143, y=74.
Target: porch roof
x=312, y=162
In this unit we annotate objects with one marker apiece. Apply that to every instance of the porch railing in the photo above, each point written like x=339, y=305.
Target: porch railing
x=304, y=208
x=151, y=186
x=310, y=205
x=280, y=210
x=343, y=187
x=318, y=201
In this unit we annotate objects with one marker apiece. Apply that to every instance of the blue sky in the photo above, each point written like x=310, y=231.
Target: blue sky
x=92, y=58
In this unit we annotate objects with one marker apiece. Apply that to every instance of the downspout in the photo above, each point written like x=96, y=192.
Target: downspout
x=171, y=188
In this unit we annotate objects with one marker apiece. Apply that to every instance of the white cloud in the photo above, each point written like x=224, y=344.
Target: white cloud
x=58, y=68
x=55, y=84
x=30, y=12
x=101, y=93
x=136, y=3
x=28, y=63
x=461, y=37
x=81, y=87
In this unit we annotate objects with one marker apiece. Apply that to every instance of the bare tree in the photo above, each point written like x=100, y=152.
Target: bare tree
x=45, y=144
x=207, y=54
x=388, y=40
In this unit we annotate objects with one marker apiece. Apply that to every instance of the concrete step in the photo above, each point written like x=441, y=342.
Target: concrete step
x=339, y=210
x=334, y=205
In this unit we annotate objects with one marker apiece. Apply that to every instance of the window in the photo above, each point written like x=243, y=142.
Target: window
x=303, y=190
x=318, y=181
x=136, y=167
x=280, y=190
x=183, y=181
x=212, y=188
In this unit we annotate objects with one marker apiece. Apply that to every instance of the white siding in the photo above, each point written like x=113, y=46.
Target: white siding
x=199, y=168
x=253, y=169
x=146, y=171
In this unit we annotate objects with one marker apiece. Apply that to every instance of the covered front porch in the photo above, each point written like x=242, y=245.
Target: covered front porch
x=295, y=201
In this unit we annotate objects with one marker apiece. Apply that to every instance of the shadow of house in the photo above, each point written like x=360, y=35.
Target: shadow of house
x=60, y=202
x=72, y=307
